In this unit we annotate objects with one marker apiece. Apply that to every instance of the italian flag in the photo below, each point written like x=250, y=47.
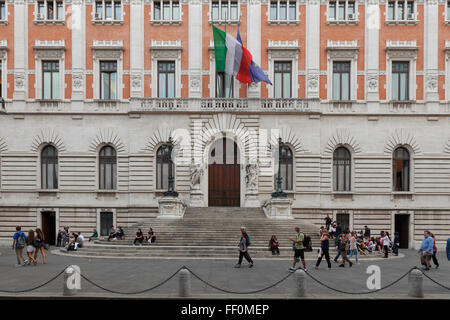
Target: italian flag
x=231, y=56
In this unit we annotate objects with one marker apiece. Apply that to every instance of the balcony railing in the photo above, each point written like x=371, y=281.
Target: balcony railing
x=223, y=105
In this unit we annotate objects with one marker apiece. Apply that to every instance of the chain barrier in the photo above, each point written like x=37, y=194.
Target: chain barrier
x=220, y=289
x=37, y=287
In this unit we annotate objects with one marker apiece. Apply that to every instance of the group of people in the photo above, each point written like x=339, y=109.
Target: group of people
x=149, y=238
x=34, y=243
x=116, y=234
x=72, y=241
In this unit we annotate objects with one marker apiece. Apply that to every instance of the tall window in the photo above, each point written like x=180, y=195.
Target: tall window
x=341, y=80
x=341, y=169
x=401, y=10
x=108, y=80
x=224, y=10
x=50, y=80
x=108, y=168
x=286, y=169
x=400, y=79
x=224, y=85
x=166, y=79
x=400, y=166
x=447, y=17
x=166, y=10
x=283, y=78
x=283, y=10
x=341, y=10
x=49, y=168
x=50, y=10
x=108, y=10
x=163, y=165
x=2, y=10
x=1, y=79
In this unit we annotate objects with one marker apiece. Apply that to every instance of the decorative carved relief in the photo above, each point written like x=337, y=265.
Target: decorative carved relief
x=19, y=81
x=48, y=136
x=77, y=81
x=287, y=136
x=313, y=82
x=401, y=137
x=107, y=136
x=342, y=136
x=196, y=174
x=251, y=178
x=136, y=82
x=3, y=145
x=372, y=83
x=432, y=83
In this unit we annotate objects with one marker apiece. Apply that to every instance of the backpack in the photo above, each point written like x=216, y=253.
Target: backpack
x=307, y=243
x=21, y=243
x=248, y=241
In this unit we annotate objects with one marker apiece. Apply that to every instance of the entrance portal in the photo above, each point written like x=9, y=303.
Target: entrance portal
x=402, y=227
x=48, y=219
x=224, y=176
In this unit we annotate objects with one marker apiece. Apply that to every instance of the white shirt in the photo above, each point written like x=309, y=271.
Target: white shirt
x=386, y=241
x=80, y=239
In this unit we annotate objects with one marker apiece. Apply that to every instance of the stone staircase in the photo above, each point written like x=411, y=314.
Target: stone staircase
x=212, y=232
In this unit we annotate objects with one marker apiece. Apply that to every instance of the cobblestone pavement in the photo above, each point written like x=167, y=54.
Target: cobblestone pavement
x=134, y=275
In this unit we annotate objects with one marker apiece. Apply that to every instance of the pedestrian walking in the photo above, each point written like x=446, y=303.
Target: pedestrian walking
x=39, y=244
x=299, y=249
x=243, y=249
x=343, y=248
x=19, y=242
x=324, y=246
x=426, y=250
x=386, y=242
x=435, y=260
x=353, y=247
x=396, y=243
x=59, y=238
x=30, y=247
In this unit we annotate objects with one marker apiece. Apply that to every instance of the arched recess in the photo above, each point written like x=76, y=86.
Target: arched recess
x=107, y=136
x=45, y=137
x=289, y=137
x=342, y=137
x=401, y=137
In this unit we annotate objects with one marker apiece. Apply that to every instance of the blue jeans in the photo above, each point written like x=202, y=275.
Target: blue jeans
x=337, y=256
x=355, y=251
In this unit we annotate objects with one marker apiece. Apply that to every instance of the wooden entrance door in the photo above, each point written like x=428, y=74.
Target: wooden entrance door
x=402, y=227
x=49, y=227
x=224, y=177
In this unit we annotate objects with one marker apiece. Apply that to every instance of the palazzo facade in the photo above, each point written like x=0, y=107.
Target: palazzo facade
x=92, y=90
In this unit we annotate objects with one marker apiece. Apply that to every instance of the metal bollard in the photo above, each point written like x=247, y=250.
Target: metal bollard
x=72, y=280
x=415, y=284
x=185, y=283
x=300, y=279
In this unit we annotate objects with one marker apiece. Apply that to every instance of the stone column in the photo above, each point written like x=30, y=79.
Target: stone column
x=78, y=25
x=195, y=48
x=371, y=55
x=20, y=52
x=431, y=26
x=312, y=48
x=254, y=41
x=137, y=47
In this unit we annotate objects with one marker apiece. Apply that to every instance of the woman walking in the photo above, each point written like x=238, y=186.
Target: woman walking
x=243, y=249
x=274, y=245
x=325, y=246
x=386, y=241
x=435, y=260
x=30, y=248
x=39, y=244
x=353, y=247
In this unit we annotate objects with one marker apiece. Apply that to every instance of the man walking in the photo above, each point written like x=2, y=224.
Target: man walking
x=324, y=245
x=243, y=249
x=426, y=250
x=343, y=248
x=19, y=242
x=299, y=249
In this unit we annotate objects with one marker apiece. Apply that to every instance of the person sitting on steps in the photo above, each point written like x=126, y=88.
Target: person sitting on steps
x=139, y=237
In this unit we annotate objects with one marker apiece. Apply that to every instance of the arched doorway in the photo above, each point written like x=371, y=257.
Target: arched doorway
x=224, y=178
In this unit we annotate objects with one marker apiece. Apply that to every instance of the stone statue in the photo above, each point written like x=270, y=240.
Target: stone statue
x=196, y=173
x=251, y=170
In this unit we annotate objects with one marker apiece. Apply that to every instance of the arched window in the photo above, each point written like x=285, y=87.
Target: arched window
x=49, y=168
x=108, y=168
x=286, y=169
x=400, y=166
x=163, y=165
x=342, y=169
